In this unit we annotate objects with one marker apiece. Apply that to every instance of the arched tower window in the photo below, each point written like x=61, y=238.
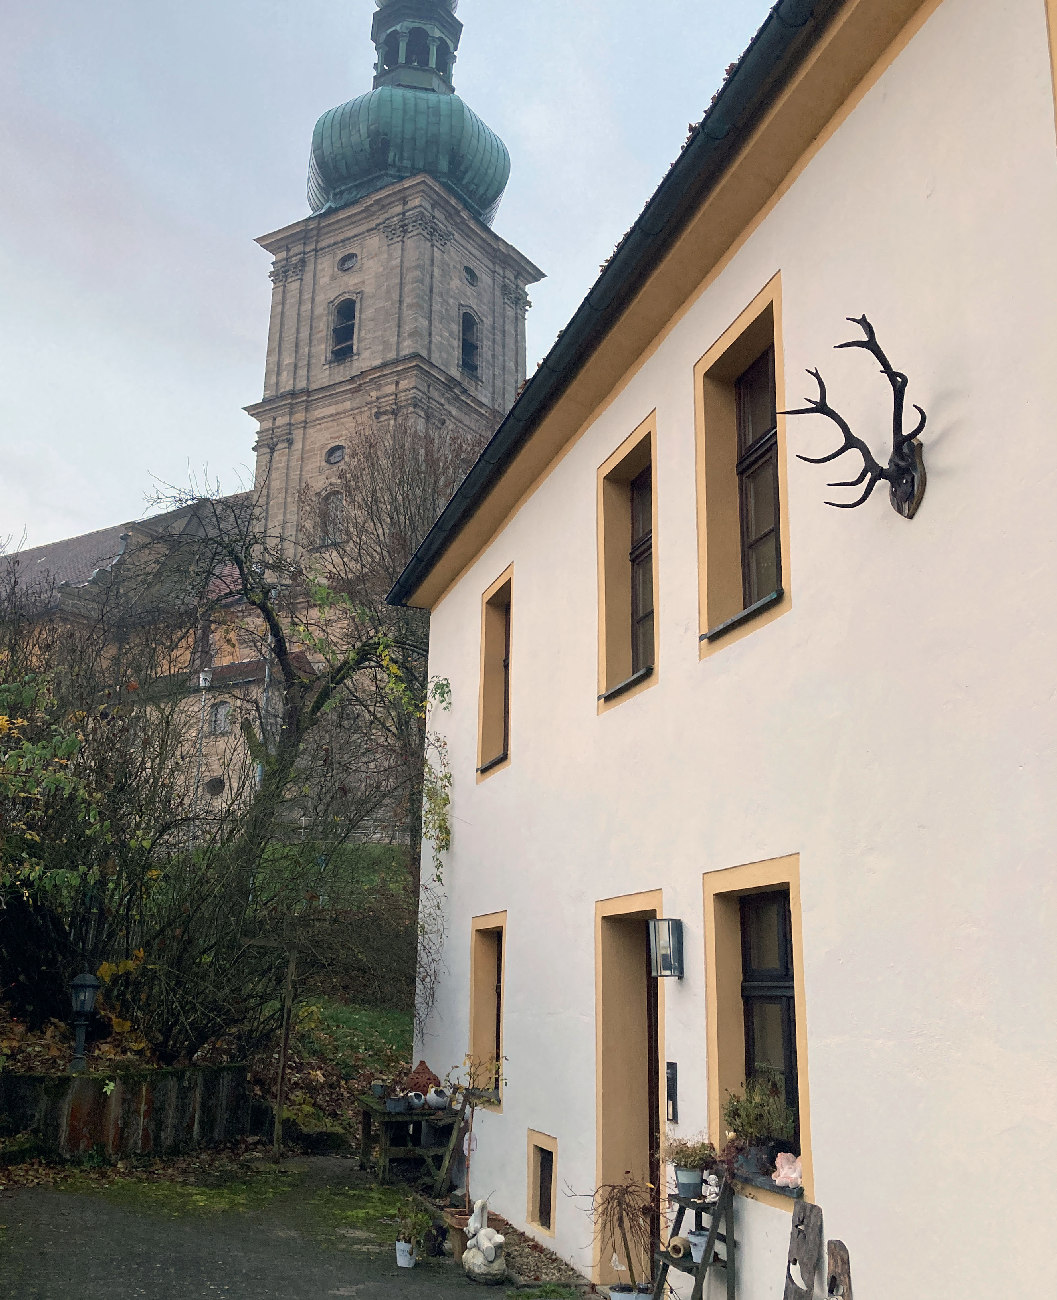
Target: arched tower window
x=391, y=51
x=418, y=48
x=343, y=335
x=332, y=519
x=443, y=58
x=471, y=348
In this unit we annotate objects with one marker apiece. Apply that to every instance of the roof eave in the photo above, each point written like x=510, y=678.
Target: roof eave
x=788, y=33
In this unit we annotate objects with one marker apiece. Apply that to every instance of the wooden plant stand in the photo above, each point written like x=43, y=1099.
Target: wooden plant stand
x=719, y=1215
x=437, y=1159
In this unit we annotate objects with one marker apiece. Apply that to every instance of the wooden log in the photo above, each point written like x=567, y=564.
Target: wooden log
x=838, y=1271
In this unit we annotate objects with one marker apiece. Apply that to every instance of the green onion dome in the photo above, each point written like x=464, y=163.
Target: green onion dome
x=394, y=132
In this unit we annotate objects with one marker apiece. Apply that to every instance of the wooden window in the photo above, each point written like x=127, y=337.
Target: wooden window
x=627, y=567
x=543, y=1182
x=486, y=994
x=757, y=470
x=471, y=347
x=220, y=719
x=742, y=529
x=641, y=557
x=494, y=724
x=343, y=335
x=768, y=994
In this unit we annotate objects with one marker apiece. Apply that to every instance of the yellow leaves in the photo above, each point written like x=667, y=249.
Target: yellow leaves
x=110, y=969
x=120, y=1026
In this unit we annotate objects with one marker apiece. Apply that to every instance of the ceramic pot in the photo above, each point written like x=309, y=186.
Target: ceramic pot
x=438, y=1098
x=697, y=1245
x=405, y=1254
x=760, y=1157
x=416, y=1100
x=379, y=1089
x=688, y=1181
x=396, y=1105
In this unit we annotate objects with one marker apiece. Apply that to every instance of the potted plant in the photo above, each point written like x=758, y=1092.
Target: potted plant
x=622, y=1213
x=414, y=1223
x=762, y=1123
x=692, y=1158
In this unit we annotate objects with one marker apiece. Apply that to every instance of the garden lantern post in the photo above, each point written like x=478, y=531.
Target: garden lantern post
x=83, y=992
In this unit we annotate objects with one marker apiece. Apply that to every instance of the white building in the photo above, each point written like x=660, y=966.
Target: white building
x=859, y=723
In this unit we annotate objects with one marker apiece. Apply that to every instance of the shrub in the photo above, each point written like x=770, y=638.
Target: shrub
x=691, y=1153
x=760, y=1113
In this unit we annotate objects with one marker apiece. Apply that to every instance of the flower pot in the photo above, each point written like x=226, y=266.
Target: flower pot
x=396, y=1105
x=760, y=1157
x=416, y=1100
x=697, y=1241
x=438, y=1098
x=457, y=1221
x=379, y=1089
x=688, y=1181
x=405, y=1254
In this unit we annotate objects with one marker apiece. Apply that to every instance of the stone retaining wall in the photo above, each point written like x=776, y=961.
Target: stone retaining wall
x=158, y=1112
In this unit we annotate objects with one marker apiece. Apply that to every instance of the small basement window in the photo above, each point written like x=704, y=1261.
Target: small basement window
x=543, y=1180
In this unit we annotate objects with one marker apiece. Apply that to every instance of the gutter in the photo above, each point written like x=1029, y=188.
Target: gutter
x=789, y=32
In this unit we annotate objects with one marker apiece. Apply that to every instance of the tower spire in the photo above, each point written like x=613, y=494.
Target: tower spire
x=416, y=41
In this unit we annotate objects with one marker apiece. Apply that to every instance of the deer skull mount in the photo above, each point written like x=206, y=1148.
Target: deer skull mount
x=905, y=471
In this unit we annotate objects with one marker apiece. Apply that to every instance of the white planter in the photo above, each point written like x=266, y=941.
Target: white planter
x=405, y=1254
x=688, y=1181
x=697, y=1242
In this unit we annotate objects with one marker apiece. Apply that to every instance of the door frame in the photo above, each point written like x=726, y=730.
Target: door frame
x=644, y=906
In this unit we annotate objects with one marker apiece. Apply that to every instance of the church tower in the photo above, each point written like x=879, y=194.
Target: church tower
x=394, y=294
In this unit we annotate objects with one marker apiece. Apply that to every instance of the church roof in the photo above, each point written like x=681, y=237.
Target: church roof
x=395, y=132
x=74, y=560
x=412, y=122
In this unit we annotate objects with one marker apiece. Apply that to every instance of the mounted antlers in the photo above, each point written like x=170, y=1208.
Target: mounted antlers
x=905, y=471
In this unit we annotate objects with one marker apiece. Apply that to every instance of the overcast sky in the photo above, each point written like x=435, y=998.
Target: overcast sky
x=144, y=144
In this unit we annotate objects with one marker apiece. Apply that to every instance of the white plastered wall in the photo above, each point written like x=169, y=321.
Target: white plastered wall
x=896, y=728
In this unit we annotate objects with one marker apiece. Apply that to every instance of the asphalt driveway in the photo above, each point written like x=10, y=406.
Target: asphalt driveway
x=301, y=1244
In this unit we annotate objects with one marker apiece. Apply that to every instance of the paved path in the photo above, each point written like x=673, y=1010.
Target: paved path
x=54, y=1245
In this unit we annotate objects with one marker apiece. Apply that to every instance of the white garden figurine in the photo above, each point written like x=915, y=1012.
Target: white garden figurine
x=483, y=1257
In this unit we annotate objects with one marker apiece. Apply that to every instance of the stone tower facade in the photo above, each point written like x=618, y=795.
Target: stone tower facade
x=395, y=294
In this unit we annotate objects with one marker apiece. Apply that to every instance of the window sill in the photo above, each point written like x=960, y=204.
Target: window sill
x=721, y=629
x=493, y=763
x=626, y=685
x=765, y=1183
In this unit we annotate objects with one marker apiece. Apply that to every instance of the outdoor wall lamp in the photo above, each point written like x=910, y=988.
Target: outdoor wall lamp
x=82, y=994
x=905, y=471
x=666, y=948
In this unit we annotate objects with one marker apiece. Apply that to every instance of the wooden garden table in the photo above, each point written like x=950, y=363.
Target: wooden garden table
x=402, y=1124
